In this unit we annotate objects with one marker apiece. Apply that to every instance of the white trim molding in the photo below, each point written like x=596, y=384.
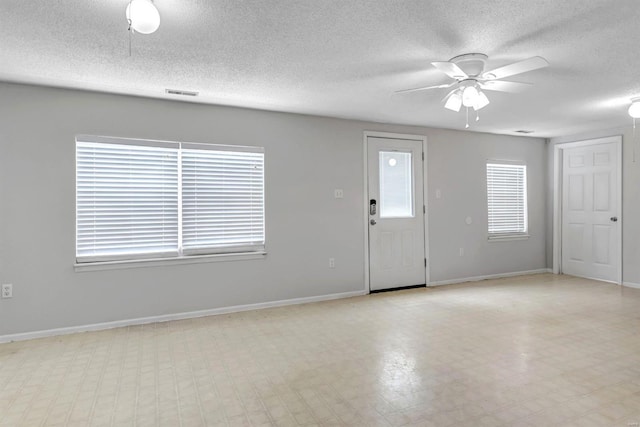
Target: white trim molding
x=631, y=285
x=176, y=316
x=490, y=276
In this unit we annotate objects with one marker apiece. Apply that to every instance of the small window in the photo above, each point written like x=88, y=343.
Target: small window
x=507, y=200
x=396, y=186
x=149, y=199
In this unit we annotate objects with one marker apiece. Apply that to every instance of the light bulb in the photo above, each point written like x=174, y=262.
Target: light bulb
x=144, y=16
x=469, y=96
x=634, y=109
x=454, y=102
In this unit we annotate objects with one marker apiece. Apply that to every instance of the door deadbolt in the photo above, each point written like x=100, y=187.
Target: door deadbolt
x=373, y=222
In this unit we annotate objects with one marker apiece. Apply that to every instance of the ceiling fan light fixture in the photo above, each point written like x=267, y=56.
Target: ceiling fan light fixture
x=481, y=101
x=454, y=103
x=634, y=108
x=469, y=96
x=143, y=16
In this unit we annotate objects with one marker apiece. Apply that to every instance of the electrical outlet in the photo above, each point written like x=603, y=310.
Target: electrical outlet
x=338, y=193
x=7, y=291
x=332, y=263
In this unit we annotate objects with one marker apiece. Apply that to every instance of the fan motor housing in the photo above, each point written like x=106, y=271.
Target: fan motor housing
x=471, y=63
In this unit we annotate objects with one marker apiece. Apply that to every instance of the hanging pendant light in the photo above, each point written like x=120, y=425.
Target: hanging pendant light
x=143, y=17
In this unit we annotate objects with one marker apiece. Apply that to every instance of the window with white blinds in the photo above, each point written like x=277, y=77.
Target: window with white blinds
x=150, y=199
x=222, y=200
x=507, y=199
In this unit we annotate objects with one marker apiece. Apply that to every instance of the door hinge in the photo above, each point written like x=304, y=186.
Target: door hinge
x=425, y=262
x=424, y=209
x=423, y=156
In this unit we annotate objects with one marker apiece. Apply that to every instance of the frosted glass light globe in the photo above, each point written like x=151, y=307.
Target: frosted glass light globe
x=634, y=110
x=469, y=96
x=144, y=16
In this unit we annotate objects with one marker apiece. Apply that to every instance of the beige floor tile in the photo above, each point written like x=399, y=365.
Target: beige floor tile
x=528, y=351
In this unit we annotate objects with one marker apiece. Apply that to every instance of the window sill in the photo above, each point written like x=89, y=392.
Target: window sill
x=155, y=262
x=508, y=237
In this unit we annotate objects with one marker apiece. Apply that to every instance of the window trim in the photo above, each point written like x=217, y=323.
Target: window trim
x=509, y=236
x=159, y=262
x=241, y=252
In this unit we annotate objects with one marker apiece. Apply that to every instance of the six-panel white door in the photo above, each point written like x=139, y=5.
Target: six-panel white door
x=590, y=217
x=396, y=213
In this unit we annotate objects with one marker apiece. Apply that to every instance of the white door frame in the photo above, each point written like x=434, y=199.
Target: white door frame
x=557, y=196
x=409, y=137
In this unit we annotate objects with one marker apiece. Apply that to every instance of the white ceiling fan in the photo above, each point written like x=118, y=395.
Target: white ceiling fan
x=470, y=80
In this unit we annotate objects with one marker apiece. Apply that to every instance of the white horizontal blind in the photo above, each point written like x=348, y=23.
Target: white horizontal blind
x=222, y=200
x=507, y=198
x=126, y=200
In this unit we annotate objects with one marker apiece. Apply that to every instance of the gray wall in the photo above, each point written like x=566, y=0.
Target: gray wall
x=630, y=198
x=306, y=158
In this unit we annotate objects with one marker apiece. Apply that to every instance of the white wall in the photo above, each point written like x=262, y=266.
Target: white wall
x=306, y=158
x=630, y=215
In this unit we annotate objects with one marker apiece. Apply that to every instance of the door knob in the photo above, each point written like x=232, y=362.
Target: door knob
x=614, y=219
x=373, y=222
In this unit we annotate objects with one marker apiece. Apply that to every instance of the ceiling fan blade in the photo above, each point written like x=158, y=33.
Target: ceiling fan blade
x=505, y=86
x=516, y=68
x=451, y=70
x=426, y=88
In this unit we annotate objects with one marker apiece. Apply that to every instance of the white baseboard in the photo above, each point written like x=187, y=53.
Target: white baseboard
x=176, y=316
x=490, y=276
x=631, y=285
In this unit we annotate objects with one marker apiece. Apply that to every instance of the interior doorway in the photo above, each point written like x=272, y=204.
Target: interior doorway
x=588, y=209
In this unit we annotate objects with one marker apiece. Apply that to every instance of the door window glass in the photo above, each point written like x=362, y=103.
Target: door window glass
x=396, y=186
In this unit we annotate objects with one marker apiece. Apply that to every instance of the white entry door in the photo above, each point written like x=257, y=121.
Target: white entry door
x=590, y=218
x=396, y=213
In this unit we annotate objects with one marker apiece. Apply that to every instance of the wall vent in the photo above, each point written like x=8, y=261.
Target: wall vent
x=181, y=92
x=524, y=131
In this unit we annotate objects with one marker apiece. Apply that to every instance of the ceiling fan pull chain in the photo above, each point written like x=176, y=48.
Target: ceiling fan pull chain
x=466, y=126
x=130, y=30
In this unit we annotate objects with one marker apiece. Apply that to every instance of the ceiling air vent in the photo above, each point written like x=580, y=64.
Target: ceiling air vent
x=524, y=131
x=181, y=92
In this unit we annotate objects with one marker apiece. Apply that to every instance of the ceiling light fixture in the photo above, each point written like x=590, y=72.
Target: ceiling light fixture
x=634, y=108
x=454, y=103
x=470, y=80
x=143, y=17
x=468, y=96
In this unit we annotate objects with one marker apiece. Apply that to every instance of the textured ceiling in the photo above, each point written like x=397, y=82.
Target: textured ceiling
x=341, y=58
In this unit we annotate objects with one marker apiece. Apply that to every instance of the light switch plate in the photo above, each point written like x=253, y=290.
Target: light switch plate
x=7, y=291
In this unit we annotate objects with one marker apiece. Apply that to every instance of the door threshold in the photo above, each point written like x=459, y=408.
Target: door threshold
x=400, y=288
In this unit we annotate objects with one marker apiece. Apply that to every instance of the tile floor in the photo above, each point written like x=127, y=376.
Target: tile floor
x=538, y=350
